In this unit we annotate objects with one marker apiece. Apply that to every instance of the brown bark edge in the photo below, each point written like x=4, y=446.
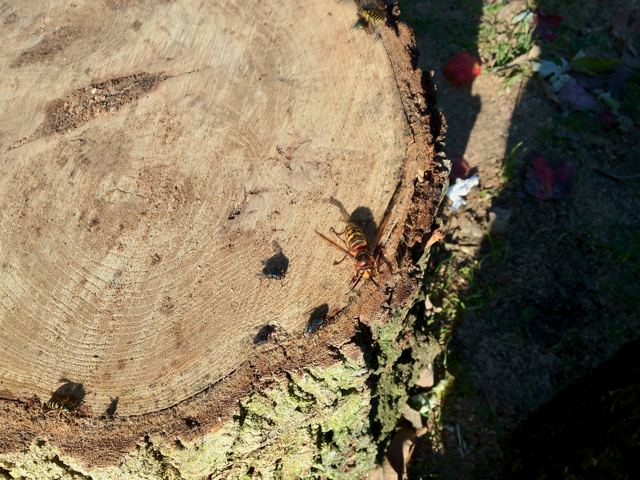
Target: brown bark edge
x=99, y=442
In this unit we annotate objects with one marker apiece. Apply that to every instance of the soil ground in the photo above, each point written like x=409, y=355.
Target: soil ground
x=525, y=312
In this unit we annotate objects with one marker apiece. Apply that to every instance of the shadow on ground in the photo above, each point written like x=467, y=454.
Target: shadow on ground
x=527, y=296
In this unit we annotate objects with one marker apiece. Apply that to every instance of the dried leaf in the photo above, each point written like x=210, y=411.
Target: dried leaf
x=626, y=124
x=545, y=182
x=634, y=31
x=548, y=91
x=588, y=81
x=610, y=102
x=426, y=376
x=617, y=82
x=546, y=26
x=462, y=68
x=627, y=34
x=384, y=472
x=400, y=450
x=412, y=416
x=460, y=167
x=559, y=81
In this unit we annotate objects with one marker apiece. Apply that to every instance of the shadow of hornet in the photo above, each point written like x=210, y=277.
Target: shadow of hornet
x=361, y=216
x=69, y=392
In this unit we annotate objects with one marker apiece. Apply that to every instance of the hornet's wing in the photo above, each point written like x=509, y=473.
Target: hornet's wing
x=383, y=225
x=343, y=250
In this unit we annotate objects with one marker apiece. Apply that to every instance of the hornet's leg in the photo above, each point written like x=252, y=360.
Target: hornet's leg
x=354, y=285
x=338, y=235
x=338, y=263
x=374, y=282
x=345, y=244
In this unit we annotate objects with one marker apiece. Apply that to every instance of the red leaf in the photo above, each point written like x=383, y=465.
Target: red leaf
x=545, y=183
x=606, y=118
x=546, y=26
x=562, y=180
x=460, y=167
x=462, y=68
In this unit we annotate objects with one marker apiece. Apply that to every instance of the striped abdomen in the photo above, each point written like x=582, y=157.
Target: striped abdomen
x=372, y=16
x=356, y=239
x=61, y=406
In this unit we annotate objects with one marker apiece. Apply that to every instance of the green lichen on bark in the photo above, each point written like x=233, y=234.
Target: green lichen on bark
x=401, y=352
x=40, y=461
x=401, y=358
x=308, y=424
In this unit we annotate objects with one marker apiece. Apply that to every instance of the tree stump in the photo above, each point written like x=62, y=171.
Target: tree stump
x=155, y=159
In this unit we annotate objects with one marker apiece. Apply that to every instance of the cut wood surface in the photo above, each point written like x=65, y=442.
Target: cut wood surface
x=155, y=157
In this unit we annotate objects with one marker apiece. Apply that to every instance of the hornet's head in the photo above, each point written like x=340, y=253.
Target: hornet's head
x=365, y=260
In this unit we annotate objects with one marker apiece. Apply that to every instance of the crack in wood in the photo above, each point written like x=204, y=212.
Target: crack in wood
x=84, y=104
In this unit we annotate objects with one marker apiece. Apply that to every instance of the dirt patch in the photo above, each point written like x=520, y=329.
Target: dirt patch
x=11, y=18
x=83, y=105
x=50, y=44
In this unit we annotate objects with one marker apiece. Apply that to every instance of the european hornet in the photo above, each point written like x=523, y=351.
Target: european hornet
x=372, y=16
x=63, y=406
x=366, y=256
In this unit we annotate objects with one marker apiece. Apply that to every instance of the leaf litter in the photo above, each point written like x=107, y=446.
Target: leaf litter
x=588, y=83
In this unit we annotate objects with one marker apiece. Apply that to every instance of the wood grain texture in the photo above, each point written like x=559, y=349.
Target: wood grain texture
x=130, y=235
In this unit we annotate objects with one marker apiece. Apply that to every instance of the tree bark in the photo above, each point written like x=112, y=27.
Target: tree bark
x=156, y=159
